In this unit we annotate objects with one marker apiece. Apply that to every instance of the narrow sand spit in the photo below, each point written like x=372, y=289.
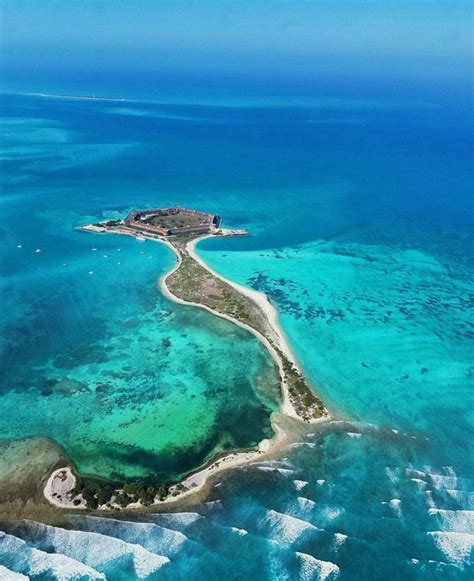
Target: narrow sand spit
x=259, y=298
x=59, y=488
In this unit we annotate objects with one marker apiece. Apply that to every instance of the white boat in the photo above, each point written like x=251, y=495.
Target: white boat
x=38, y=250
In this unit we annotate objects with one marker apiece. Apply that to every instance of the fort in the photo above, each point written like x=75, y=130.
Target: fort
x=172, y=221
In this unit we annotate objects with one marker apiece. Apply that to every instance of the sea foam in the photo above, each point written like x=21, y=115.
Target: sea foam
x=7, y=575
x=285, y=528
x=461, y=521
x=93, y=549
x=299, y=484
x=457, y=547
x=306, y=503
x=312, y=568
x=16, y=553
x=153, y=537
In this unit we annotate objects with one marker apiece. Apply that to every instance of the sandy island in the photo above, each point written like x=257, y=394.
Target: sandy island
x=60, y=486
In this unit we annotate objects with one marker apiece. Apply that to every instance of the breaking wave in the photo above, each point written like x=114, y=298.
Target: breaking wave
x=312, y=568
x=93, y=549
x=457, y=547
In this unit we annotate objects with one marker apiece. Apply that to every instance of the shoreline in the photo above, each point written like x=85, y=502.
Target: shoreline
x=262, y=301
x=196, y=481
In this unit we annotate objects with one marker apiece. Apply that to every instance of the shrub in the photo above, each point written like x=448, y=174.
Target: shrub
x=123, y=500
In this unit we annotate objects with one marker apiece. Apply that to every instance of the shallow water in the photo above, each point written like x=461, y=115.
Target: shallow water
x=361, y=221
x=95, y=358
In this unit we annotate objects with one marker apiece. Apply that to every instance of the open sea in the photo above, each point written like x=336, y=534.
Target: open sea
x=361, y=218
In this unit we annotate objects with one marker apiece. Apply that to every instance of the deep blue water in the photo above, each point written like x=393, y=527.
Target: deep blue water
x=361, y=218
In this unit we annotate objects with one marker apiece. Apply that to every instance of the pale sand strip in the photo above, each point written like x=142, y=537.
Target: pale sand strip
x=259, y=298
x=61, y=484
x=195, y=482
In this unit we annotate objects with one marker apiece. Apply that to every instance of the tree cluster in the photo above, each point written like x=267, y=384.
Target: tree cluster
x=98, y=493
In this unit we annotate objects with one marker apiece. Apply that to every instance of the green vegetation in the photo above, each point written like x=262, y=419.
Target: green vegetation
x=109, y=224
x=193, y=283
x=176, y=220
x=303, y=399
x=97, y=493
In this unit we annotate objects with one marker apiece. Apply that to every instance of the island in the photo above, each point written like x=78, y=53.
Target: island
x=193, y=282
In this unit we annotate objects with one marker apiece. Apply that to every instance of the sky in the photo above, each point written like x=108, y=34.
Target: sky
x=293, y=38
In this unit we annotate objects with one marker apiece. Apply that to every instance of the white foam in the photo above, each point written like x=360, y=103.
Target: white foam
x=285, y=471
x=7, y=575
x=457, y=547
x=464, y=497
x=415, y=473
x=61, y=567
x=429, y=498
x=95, y=549
x=150, y=536
x=178, y=518
x=395, y=504
x=299, y=484
x=282, y=471
x=392, y=475
x=214, y=504
x=274, y=464
x=442, y=481
x=305, y=503
x=447, y=479
x=296, y=445
x=312, y=568
x=418, y=481
x=461, y=521
x=331, y=512
x=339, y=540
x=57, y=566
x=285, y=528
x=240, y=532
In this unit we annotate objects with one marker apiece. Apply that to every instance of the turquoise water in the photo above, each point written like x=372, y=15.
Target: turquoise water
x=361, y=220
x=95, y=358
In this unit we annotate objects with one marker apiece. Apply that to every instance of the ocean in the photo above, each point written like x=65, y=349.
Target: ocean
x=360, y=211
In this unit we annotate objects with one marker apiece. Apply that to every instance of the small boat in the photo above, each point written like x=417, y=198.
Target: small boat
x=90, y=272
x=119, y=263
x=94, y=249
x=19, y=246
x=64, y=263
x=38, y=250
x=119, y=250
